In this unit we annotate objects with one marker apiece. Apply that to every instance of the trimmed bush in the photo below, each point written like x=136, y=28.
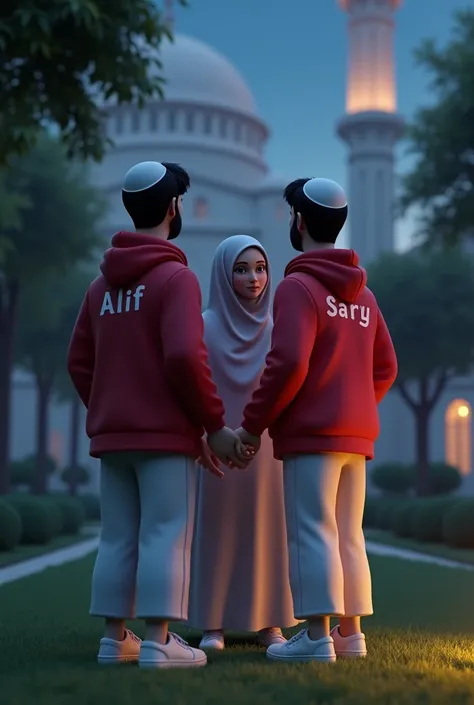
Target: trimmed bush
x=444, y=478
x=385, y=513
x=22, y=472
x=72, y=511
x=40, y=518
x=458, y=524
x=75, y=476
x=54, y=510
x=428, y=518
x=403, y=518
x=10, y=527
x=393, y=478
x=91, y=504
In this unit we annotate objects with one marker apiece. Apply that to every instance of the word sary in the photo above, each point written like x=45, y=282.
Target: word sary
x=361, y=314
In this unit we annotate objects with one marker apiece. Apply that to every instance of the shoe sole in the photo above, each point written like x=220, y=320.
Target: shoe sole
x=116, y=661
x=301, y=659
x=172, y=664
x=205, y=647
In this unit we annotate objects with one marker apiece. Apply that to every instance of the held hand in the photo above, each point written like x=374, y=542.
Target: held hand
x=209, y=461
x=251, y=442
x=250, y=454
x=226, y=446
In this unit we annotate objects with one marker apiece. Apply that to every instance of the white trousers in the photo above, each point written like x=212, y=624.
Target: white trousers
x=324, y=504
x=147, y=504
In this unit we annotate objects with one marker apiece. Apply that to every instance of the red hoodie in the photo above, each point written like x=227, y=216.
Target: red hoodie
x=332, y=360
x=137, y=357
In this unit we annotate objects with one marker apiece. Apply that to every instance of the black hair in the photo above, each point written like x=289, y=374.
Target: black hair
x=148, y=208
x=322, y=222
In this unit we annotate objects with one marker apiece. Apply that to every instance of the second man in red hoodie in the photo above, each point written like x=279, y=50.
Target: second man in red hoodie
x=138, y=362
x=331, y=363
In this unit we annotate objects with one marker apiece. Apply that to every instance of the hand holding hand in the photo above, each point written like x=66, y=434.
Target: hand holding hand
x=253, y=443
x=250, y=456
x=227, y=447
x=209, y=461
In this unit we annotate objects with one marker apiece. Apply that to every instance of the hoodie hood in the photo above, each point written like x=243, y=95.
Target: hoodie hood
x=133, y=255
x=338, y=270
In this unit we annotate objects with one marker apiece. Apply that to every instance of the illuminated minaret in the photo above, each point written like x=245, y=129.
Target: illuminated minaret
x=371, y=126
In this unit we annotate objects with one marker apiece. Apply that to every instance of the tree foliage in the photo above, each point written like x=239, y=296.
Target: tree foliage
x=60, y=215
x=57, y=55
x=59, y=225
x=48, y=311
x=441, y=138
x=427, y=300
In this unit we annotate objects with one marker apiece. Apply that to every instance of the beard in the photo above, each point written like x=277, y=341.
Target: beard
x=296, y=237
x=175, y=226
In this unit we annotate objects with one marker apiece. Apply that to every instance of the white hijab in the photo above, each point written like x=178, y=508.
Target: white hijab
x=237, y=336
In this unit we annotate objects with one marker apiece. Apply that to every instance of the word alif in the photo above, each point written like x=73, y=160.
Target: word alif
x=117, y=302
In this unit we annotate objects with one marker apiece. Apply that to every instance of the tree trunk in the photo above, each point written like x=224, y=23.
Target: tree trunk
x=429, y=392
x=8, y=312
x=74, y=432
x=423, y=484
x=43, y=396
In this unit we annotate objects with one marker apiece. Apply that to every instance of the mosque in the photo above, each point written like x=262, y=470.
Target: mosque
x=210, y=123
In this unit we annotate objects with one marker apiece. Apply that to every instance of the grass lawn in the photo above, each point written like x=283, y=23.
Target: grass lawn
x=23, y=553
x=421, y=644
x=463, y=555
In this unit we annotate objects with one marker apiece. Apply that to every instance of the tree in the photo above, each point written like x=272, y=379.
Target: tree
x=427, y=300
x=49, y=309
x=11, y=207
x=75, y=477
x=59, y=225
x=66, y=393
x=441, y=138
x=59, y=55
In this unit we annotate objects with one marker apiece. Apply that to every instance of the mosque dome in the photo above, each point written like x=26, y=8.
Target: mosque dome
x=197, y=73
x=206, y=109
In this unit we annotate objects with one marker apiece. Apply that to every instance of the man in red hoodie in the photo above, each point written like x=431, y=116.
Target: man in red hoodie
x=331, y=362
x=138, y=362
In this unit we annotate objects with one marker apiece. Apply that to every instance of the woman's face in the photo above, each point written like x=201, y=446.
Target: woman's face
x=250, y=275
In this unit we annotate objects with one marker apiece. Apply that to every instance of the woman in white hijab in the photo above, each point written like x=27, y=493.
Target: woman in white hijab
x=239, y=575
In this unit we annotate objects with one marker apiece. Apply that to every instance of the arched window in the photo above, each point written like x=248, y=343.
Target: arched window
x=201, y=208
x=208, y=124
x=457, y=424
x=223, y=122
x=153, y=118
x=172, y=121
x=56, y=446
x=190, y=121
x=136, y=120
x=119, y=122
x=280, y=211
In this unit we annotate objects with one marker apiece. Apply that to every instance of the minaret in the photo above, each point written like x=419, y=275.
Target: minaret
x=371, y=126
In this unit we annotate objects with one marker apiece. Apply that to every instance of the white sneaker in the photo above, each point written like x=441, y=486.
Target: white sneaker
x=125, y=651
x=268, y=637
x=302, y=648
x=176, y=653
x=212, y=641
x=353, y=646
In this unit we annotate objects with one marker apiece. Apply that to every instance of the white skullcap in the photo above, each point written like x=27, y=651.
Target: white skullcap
x=326, y=193
x=142, y=176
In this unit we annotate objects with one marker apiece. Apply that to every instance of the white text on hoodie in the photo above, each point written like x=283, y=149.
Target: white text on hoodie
x=108, y=305
x=352, y=311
